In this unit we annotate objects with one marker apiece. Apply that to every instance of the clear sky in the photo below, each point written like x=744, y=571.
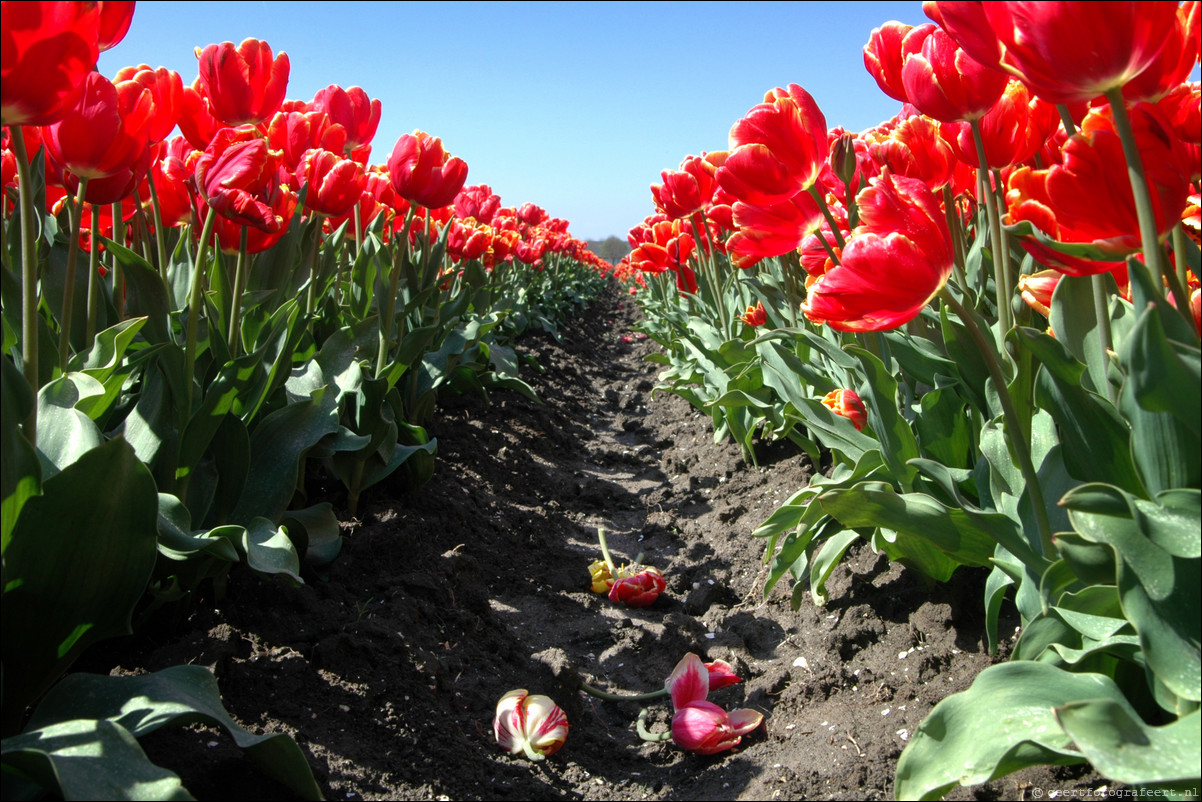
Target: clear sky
x=576, y=107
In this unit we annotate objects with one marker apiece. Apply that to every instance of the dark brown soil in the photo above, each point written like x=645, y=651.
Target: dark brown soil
x=387, y=668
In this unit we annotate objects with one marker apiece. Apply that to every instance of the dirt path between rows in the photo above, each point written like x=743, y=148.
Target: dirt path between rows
x=387, y=667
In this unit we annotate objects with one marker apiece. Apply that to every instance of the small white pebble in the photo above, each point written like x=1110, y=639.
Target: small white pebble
x=801, y=662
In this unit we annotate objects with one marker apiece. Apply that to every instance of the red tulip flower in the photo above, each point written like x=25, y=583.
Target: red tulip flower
x=1175, y=62
x=945, y=82
x=1012, y=131
x=293, y=133
x=115, y=18
x=167, y=90
x=687, y=190
x=422, y=172
x=478, y=202
x=1066, y=51
x=105, y=133
x=1087, y=200
x=243, y=84
x=196, y=120
x=777, y=149
x=885, y=54
x=755, y=315
x=239, y=178
x=897, y=260
x=700, y=726
x=915, y=148
x=335, y=183
x=639, y=590
x=353, y=110
x=771, y=230
x=847, y=404
x=532, y=215
x=49, y=47
x=173, y=164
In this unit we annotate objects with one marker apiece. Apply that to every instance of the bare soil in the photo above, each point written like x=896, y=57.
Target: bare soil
x=387, y=666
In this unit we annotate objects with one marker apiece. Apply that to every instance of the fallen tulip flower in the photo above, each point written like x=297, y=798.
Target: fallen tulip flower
x=534, y=725
x=707, y=729
x=638, y=590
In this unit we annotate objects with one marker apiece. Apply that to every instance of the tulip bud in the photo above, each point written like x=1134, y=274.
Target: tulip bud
x=843, y=157
x=755, y=315
x=1037, y=288
x=531, y=724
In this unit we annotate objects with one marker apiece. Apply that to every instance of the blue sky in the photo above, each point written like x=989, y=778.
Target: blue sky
x=574, y=106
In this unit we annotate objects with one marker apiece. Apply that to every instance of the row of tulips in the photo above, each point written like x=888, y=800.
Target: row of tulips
x=191, y=325
x=862, y=294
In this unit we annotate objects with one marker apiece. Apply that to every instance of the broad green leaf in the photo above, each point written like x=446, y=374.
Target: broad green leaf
x=826, y=560
x=323, y=537
x=78, y=562
x=965, y=536
x=269, y=550
x=173, y=696
x=20, y=471
x=1159, y=589
x=65, y=433
x=944, y=428
x=146, y=295
x=88, y=759
x=898, y=444
x=1004, y=722
x=1123, y=748
x=1096, y=441
x=1075, y=322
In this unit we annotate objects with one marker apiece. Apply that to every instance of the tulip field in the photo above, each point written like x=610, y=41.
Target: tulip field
x=874, y=469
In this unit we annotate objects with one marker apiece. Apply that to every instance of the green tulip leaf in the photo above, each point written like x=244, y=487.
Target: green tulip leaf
x=1004, y=722
x=1123, y=748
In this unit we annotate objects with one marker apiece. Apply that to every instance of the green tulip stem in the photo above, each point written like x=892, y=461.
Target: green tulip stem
x=388, y=308
x=957, y=232
x=622, y=697
x=195, y=302
x=233, y=336
x=609, y=561
x=160, y=237
x=1019, y=441
x=1154, y=256
x=1001, y=279
x=118, y=273
x=530, y=753
x=358, y=223
x=93, y=274
x=1179, y=254
x=64, y=321
x=830, y=218
x=311, y=292
x=29, y=277
x=1097, y=283
x=647, y=735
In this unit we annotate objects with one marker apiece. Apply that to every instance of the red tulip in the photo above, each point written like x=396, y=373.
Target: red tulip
x=1066, y=51
x=423, y=173
x=847, y=404
x=173, y=164
x=915, y=148
x=229, y=231
x=115, y=18
x=1012, y=131
x=105, y=133
x=49, y=47
x=335, y=183
x=777, y=149
x=687, y=190
x=897, y=260
x=771, y=230
x=1174, y=63
x=755, y=315
x=353, y=110
x=478, y=202
x=946, y=83
x=639, y=590
x=293, y=133
x=885, y=54
x=701, y=726
x=243, y=84
x=1087, y=200
x=1183, y=109
x=166, y=88
x=532, y=215
x=238, y=177
x=196, y=121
